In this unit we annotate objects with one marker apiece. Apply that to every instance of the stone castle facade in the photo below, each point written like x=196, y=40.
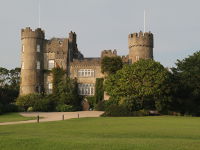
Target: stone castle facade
x=39, y=55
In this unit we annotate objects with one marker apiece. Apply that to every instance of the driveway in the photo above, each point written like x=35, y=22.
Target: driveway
x=55, y=116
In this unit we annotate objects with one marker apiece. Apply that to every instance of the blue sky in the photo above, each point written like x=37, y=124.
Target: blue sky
x=103, y=24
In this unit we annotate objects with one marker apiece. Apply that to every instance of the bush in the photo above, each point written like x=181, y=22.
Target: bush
x=64, y=108
x=37, y=102
x=30, y=109
x=1, y=108
x=28, y=100
x=101, y=106
x=116, y=111
x=122, y=111
x=10, y=108
x=46, y=103
x=91, y=100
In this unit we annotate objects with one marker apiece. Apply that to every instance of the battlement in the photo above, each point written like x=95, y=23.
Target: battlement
x=72, y=36
x=109, y=53
x=140, y=39
x=29, y=33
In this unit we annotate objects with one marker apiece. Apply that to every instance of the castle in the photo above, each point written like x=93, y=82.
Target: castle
x=39, y=55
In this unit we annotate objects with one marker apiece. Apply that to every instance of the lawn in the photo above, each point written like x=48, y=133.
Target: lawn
x=128, y=133
x=10, y=117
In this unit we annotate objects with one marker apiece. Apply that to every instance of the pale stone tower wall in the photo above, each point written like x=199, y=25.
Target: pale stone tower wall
x=32, y=61
x=140, y=46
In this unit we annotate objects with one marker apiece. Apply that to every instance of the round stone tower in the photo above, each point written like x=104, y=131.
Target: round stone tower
x=32, y=80
x=140, y=46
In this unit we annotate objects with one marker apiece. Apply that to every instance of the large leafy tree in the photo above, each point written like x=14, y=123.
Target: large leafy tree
x=4, y=74
x=186, y=83
x=9, y=87
x=142, y=85
x=111, y=65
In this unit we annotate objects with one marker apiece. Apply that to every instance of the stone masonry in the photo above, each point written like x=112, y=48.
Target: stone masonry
x=38, y=55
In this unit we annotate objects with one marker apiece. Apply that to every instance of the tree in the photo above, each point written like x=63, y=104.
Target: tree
x=9, y=88
x=4, y=73
x=111, y=65
x=142, y=85
x=14, y=78
x=186, y=79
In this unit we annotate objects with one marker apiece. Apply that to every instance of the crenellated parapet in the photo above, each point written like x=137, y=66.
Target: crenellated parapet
x=109, y=53
x=29, y=33
x=140, y=39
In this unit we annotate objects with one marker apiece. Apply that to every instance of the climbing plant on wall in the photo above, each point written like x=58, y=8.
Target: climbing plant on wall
x=99, y=91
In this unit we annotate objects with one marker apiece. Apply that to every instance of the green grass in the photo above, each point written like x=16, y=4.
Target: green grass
x=10, y=117
x=130, y=133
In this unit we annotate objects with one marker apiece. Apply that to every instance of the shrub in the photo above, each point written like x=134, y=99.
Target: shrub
x=37, y=102
x=64, y=108
x=91, y=100
x=27, y=101
x=1, y=108
x=46, y=103
x=10, y=108
x=116, y=111
x=30, y=109
x=122, y=111
x=100, y=106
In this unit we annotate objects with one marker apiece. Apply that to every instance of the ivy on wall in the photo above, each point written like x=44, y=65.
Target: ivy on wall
x=58, y=77
x=99, y=91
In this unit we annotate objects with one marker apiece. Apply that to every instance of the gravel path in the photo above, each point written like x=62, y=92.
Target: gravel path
x=55, y=116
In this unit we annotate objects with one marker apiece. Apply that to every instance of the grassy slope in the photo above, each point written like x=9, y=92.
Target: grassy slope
x=136, y=133
x=10, y=117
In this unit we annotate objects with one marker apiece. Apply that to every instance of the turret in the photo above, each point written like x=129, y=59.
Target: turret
x=32, y=79
x=140, y=46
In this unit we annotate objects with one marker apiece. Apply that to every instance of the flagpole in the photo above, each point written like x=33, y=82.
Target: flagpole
x=39, y=23
x=144, y=21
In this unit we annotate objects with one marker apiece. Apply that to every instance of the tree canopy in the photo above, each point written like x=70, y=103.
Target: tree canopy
x=111, y=65
x=186, y=79
x=142, y=85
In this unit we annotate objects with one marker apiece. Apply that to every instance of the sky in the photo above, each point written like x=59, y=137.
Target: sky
x=103, y=24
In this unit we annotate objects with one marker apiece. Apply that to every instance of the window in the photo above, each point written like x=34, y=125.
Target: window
x=86, y=89
x=38, y=65
x=22, y=65
x=137, y=58
x=86, y=73
x=50, y=64
x=22, y=48
x=50, y=88
x=38, y=48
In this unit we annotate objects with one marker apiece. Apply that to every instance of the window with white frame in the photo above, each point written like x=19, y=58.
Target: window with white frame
x=22, y=65
x=38, y=48
x=51, y=64
x=86, y=89
x=137, y=58
x=85, y=73
x=50, y=88
x=22, y=48
x=38, y=64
